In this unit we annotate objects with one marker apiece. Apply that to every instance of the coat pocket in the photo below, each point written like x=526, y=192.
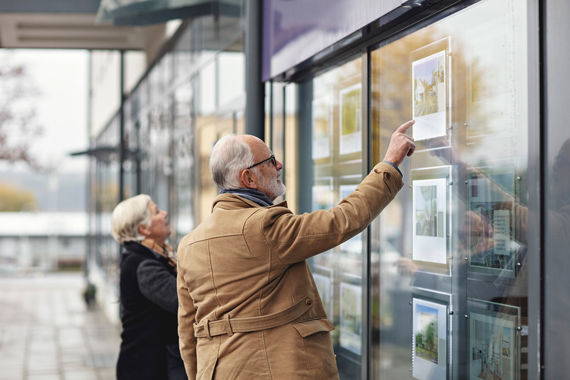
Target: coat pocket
x=314, y=326
x=314, y=350
x=207, y=358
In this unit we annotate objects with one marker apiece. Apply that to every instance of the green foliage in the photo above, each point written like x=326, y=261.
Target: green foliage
x=430, y=338
x=419, y=340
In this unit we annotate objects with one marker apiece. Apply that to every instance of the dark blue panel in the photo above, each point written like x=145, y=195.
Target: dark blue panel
x=55, y=6
x=294, y=30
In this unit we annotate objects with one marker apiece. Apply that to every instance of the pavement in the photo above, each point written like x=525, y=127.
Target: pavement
x=48, y=333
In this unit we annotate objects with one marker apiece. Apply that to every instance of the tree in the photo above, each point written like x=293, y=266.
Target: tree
x=419, y=340
x=18, y=125
x=14, y=199
x=430, y=338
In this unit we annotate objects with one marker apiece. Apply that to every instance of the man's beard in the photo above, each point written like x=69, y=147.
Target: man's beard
x=273, y=187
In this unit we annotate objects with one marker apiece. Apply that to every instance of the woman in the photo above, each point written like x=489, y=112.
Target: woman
x=149, y=304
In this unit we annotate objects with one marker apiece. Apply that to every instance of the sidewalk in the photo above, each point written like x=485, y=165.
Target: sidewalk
x=47, y=333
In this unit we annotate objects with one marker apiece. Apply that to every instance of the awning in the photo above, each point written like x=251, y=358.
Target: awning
x=105, y=153
x=144, y=12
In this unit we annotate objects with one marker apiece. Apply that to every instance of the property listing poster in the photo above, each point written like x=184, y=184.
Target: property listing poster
x=429, y=96
x=350, y=108
x=324, y=284
x=429, y=340
x=429, y=220
x=492, y=345
x=323, y=195
x=492, y=246
x=354, y=244
x=351, y=317
x=322, y=127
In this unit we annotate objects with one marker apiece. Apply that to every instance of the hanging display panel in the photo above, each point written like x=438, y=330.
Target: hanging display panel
x=324, y=280
x=491, y=216
x=493, y=341
x=322, y=127
x=430, y=90
x=351, y=316
x=431, y=195
x=350, y=119
x=429, y=339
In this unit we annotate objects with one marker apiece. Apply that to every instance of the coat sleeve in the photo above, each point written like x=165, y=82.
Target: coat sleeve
x=158, y=285
x=294, y=238
x=186, y=317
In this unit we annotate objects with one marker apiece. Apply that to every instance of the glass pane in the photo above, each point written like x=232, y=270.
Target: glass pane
x=184, y=172
x=158, y=156
x=449, y=296
x=290, y=146
x=276, y=138
x=231, y=71
x=336, y=154
x=106, y=198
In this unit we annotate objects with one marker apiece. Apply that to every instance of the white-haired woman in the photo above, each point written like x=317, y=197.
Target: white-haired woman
x=149, y=304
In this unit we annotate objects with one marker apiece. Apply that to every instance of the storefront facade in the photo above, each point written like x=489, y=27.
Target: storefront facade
x=463, y=275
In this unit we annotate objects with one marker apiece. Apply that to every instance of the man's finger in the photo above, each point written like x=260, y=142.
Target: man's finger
x=412, y=149
x=404, y=127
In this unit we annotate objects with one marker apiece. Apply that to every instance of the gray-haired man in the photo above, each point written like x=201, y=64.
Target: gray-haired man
x=248, y=304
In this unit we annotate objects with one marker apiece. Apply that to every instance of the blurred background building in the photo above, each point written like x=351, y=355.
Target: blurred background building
x=468, y=282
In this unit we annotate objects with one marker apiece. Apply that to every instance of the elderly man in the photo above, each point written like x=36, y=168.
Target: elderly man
x=248, y=304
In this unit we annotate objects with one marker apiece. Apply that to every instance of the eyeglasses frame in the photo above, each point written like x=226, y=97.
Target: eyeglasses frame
x=270, y=158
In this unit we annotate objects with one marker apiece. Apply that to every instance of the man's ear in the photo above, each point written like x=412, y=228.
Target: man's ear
x=248, y=179
x=143, y=230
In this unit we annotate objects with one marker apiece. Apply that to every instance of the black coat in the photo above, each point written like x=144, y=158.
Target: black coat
x=149, y=347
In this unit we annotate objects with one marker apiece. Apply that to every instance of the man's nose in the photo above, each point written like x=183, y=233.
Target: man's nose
x=279, y=165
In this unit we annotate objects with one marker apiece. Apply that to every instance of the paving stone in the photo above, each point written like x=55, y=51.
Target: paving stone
x=47, y=333
x=80, y=375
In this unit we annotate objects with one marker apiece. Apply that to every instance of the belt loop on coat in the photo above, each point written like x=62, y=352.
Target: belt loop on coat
x=207, y=328
x=228, y=323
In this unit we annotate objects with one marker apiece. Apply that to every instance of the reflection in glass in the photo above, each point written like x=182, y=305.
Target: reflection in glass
x=459, y=229
x=106, y=197
x=182, y=217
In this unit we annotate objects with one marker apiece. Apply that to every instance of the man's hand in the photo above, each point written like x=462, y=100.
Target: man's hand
x=401, y=145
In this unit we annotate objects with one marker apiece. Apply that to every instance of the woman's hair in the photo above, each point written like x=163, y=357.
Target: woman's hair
x=229, y=156
x=128, y=215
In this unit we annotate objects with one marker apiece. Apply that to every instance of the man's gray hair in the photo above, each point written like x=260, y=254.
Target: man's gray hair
x=128, y=215
x=230, y=155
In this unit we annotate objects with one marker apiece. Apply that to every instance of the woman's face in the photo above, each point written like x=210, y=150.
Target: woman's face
x=159, y=229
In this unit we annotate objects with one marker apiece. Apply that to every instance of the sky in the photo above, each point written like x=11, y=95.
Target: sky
x=61, y=78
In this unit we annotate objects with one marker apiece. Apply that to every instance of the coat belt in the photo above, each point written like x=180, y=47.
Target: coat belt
x=229, y=326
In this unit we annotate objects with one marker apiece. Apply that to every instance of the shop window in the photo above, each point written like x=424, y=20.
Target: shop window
x=449, y=255
x=336, y=145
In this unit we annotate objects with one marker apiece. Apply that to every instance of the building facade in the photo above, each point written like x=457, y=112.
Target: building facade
x=463, y=274
x=42, y=241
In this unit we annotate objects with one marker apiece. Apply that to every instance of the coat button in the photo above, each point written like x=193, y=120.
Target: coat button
x=308, y=302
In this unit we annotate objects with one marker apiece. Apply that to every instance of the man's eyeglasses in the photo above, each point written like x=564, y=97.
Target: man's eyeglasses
x=270, y=158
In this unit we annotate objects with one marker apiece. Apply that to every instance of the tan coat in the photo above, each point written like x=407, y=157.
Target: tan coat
x=248, y=261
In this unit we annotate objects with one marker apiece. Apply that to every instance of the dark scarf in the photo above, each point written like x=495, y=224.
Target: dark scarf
x=251, y=194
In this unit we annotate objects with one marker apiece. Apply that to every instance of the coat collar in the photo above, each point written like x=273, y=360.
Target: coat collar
x=135, y=247
x=234, y=202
